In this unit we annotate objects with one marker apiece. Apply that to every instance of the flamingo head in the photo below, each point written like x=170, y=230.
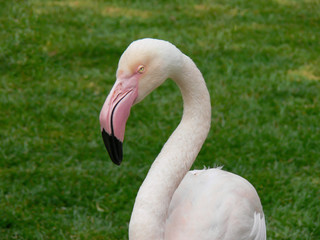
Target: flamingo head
x=144, y=66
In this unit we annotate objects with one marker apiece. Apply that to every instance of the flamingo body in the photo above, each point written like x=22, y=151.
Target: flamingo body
x=223, y=202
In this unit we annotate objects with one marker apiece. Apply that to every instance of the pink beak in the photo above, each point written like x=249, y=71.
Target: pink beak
x=114, y=115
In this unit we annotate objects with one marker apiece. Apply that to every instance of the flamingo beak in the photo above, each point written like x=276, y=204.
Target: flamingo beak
x=114, y=115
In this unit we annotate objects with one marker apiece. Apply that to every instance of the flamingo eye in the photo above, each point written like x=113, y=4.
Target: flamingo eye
x=141, y=69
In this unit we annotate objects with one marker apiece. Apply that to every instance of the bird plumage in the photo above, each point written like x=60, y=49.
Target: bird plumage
x=214, y=204
x=173, y=202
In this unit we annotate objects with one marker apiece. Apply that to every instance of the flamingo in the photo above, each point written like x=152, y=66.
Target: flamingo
x=173, y=202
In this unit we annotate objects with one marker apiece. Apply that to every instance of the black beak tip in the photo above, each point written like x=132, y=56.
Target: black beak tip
x=113, y=146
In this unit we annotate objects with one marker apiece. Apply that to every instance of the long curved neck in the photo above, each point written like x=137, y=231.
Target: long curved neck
x=176, y=157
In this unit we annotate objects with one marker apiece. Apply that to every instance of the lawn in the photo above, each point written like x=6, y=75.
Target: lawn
x=261, y=62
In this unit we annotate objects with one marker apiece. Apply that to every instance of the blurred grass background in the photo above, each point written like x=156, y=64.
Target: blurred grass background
x=58, y=60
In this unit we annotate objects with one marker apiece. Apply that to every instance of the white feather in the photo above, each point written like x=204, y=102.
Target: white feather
x=173, y=203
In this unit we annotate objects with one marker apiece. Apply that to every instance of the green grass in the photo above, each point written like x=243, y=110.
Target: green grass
x=261, y=62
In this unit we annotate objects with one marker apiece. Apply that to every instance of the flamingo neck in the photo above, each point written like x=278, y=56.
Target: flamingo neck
x=176, y=157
